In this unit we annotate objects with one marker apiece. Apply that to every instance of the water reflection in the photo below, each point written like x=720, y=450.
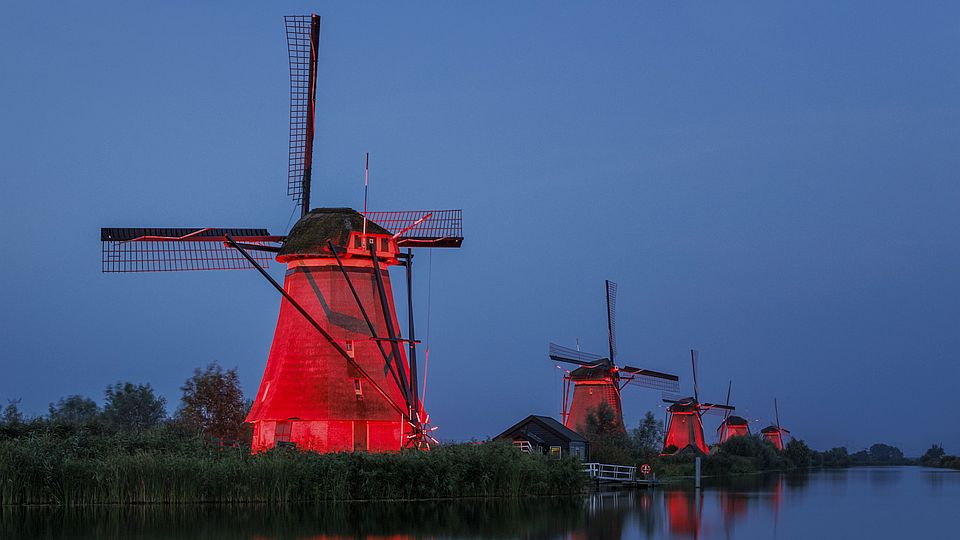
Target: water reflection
x=746, y=507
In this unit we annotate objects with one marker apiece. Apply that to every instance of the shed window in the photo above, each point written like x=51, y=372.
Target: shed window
x=555, y=452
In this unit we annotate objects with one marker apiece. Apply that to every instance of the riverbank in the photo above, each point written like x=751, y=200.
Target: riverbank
x=72, y=467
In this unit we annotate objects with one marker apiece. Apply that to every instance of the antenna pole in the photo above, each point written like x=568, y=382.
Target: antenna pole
x=366, y=184
x=412, y=344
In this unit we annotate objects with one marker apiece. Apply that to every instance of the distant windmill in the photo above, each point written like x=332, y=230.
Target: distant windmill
x=599, y=379
x=339, y=376
x=774, y=433
x=732, y=425
x=684, y=424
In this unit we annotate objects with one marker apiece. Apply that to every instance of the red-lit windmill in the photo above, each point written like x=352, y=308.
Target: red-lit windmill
x=339, y=375
x=732, y=425
x=684, y=422
x=774, y=432
x=599, y=379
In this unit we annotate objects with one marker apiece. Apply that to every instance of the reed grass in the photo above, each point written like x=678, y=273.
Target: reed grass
x=81, y=467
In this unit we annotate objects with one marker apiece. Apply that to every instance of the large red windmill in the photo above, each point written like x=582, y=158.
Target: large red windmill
x=599, y=379
x=684, y=422
x=732, y=425
x=774, y=432
x=339, y=375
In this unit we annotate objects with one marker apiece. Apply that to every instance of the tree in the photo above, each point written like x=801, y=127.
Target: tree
x=885, y=454
x=609, y=442
x=130, y=407
x=799, y=453
x=74, y=410
x=932, y=457
x=11, y=414
x=648, y=437
x=212, y=403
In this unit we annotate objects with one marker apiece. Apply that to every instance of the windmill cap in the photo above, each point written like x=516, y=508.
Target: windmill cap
x=687, y=404
x=310, y=234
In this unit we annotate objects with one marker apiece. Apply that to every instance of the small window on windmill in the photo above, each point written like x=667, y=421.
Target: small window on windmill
x=281, y=433
x=385, y=244
x=555, y=452
x=358, y=388
x=348, y=346
x=357, y=241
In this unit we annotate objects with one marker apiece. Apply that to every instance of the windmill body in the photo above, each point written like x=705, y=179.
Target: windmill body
x=685, y=427
x=774, y=432
x=598, y=380
x=309, y=395
x=733, y=426
x=593, y=386
x=685, y=417
x=340, y=376
x=774, y=435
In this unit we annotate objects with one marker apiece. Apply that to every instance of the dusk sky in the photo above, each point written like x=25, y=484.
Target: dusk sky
x=773, y=185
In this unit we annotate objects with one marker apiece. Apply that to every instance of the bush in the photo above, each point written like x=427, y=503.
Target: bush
x=798, y=453
x=40, y=464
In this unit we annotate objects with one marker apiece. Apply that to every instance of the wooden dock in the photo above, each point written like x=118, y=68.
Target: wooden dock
x=608, y=475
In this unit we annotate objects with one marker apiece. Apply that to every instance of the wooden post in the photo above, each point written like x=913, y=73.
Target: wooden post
x=698, y=472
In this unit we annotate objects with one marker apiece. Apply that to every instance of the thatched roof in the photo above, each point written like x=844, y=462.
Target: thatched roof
x=687, y=404
x=590, y=373
x=309, y=235
x=736, y=421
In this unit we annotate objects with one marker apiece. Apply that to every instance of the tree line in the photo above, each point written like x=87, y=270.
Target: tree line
x=211, y=405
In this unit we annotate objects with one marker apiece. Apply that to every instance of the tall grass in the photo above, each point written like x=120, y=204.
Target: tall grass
x=79, y=467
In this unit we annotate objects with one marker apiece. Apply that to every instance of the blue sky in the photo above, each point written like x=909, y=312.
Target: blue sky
x=774, y=185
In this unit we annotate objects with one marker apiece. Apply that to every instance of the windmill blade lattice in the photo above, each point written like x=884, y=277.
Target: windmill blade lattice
x=560, y=353
x=612, y=318
x=303, y=38
x=155, y=249
x=652, y=379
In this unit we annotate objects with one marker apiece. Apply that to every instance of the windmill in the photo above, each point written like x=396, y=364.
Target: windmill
x=732, y=425
x=340, y=376
x=774, y=432
x=684, y=423
x=599, y=379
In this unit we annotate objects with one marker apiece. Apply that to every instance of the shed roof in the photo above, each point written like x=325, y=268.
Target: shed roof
x=548, y=423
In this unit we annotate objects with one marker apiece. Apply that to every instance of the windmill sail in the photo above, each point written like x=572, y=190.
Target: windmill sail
x=652, y=379
x=559, y=353
x=422, y=228
x=612, y=318
x=181, y=249
x=303, y=41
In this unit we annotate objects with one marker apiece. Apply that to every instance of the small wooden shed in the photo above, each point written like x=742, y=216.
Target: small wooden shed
x=545, y=435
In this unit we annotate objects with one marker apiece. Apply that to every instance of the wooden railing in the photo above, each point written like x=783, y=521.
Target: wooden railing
x=605, y=471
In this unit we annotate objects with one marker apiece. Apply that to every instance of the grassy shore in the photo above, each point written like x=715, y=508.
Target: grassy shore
x=77, y=466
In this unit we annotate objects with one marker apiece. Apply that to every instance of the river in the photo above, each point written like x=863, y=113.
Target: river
x=875, y=503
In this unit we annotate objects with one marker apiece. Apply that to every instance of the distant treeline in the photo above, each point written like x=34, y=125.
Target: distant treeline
x=936, y=456
x=740, y=455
